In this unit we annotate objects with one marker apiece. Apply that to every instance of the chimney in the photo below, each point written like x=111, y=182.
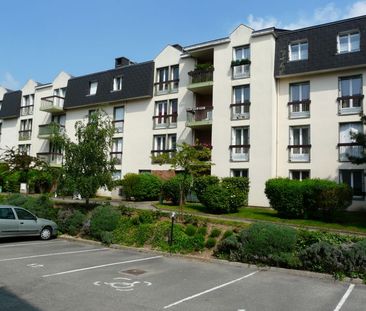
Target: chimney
x=122, y=61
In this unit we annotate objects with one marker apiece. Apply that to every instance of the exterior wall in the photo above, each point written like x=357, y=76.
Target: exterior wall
x=324, y=123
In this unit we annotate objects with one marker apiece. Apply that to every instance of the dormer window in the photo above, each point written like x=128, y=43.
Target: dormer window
x=117, y=83
x=298, y=50
x=348, y=42
x=93, y=87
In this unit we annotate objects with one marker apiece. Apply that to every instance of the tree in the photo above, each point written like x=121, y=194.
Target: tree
x=192, y=160
x=360, y=139
x=87, y=164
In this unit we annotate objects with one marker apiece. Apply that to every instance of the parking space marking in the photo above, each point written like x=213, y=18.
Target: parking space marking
x=123, y=284
x=209, y=290
x=345, y=296
x=55, y=254
x=101, y=266
x=26, y=244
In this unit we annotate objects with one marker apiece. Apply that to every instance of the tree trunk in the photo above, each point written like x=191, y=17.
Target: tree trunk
x=87, y=201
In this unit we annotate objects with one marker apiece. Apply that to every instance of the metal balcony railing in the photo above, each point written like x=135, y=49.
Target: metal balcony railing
x=165, y=121
x=299, y=153
x=239, y=153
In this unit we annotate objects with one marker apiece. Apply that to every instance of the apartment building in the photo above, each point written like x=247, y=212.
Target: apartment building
x=269, y=103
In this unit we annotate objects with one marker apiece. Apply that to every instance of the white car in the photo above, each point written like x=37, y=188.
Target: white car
x=17, y=221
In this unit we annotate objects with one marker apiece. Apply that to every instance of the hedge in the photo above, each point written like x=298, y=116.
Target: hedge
x=141, y=187
x=171, y=188
x=305, y=199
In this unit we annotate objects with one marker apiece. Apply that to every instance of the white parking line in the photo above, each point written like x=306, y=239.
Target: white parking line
x=54, y=254
x=209, y=290
x=101, y=266
x=344, y=298
x=25, y=244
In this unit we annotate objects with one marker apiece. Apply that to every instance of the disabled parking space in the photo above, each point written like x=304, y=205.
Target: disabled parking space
x=77, y=276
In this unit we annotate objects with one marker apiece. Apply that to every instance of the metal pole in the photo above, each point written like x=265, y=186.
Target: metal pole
x=171, y=232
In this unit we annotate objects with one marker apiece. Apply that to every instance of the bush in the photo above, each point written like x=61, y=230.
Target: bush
x=227, y=233
x=70, y=221
x=106, y=237
x=202, y=231
x=294, y=198
x=103, y=218
x=210, y=243
x=239, y=188
x=216, y=199
x=201, y=183
x=141, y=187
x=190, y=230
x=228, y=246
x=171, y=188
x=215, y=232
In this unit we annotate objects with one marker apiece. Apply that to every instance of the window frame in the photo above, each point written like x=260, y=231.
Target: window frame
x=91, y=83
x=299, y=43
x=355, y=197
x=348, y=33
x=117, y=83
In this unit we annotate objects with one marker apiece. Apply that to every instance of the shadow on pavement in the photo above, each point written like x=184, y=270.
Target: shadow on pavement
x=11, y=302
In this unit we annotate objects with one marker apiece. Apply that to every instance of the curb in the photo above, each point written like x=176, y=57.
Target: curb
x=303, y=273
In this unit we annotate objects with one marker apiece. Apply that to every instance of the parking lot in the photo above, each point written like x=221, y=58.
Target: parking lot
x=64, y=275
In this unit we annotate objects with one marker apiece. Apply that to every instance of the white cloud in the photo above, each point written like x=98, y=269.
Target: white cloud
x=328, y=13
x=9, y=82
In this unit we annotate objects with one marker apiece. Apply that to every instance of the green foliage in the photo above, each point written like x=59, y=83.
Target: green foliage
x=303, y=199
x=216, y=199
x=202, y=231
x=201, y=183
x=103, y=218
x=215, y=232
x=70, y=221
x=106, y=237
x=204, y=66
x=239, y=190
x=190, y=230
x=171, y=188
x=141, y=187
x=227, y=233
x=210, y=243
x=87, y=164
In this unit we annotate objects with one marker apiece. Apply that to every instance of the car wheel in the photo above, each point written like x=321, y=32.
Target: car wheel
x=46, y=233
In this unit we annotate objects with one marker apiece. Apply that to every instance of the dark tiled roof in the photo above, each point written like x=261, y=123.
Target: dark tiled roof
x=322, y=41
x=137, y=82
x=10, y=107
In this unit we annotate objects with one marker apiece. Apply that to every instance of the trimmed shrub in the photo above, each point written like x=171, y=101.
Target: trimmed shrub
x=210, y=243
x=216, y=199
x=201, y=183
x=215, y=232
x=70, y=221
x=103, y=218
x=129, y=183
x=202, y=231
x=239, y=188
x=171, y=188
x=190, y=230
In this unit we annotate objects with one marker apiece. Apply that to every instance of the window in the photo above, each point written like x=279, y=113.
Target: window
x=93, y=87
x=59, y=96
x=350, y=95
x=347, y=146
x=298, y=51
x=25, y=132
x=24, y=215
x=91, y=112
x=116, y=175
x=166, y=113
x=59, y=119
x=24, y=148
x=116, y=154
x=241, y=62
x=241, y=102
x=27, y=104
x=6, y=213
x=299, y=103
x=162, y=80
x=167, y=80
x=349, y=42
x=117, y=83
x=118, y=118
x=164, y=144
x=175, y=77
x=299, y=174
x=240, y=144
x=353, y=178
x=299, y=147
x=239, y=172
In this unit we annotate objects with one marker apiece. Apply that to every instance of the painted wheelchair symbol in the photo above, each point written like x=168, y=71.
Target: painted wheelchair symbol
x=122, y=284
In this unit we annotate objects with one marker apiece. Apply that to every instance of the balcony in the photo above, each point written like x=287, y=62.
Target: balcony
x=239, y=153
x=240, y=111
x=350, y=104
x=118, y=126
x=117, y=157
x=45, y=131
x=156, y=153
x=26, y=110
x=52, y=104
x=165, y=121
x=299, y=153
x=201, y=81
x=25, y=134
x=346, y=150
x=299, y=109
x=166, y=87
x=51, y=158
x=240, y=69
x=199, y=117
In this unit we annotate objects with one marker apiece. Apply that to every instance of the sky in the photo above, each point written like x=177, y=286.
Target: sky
x=40, y=38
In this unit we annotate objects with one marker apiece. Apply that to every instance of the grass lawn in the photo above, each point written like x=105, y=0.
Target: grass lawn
x=345, y=221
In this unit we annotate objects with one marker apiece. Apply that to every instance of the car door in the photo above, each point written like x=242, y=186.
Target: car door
x=8, y=222
x=27, y=222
